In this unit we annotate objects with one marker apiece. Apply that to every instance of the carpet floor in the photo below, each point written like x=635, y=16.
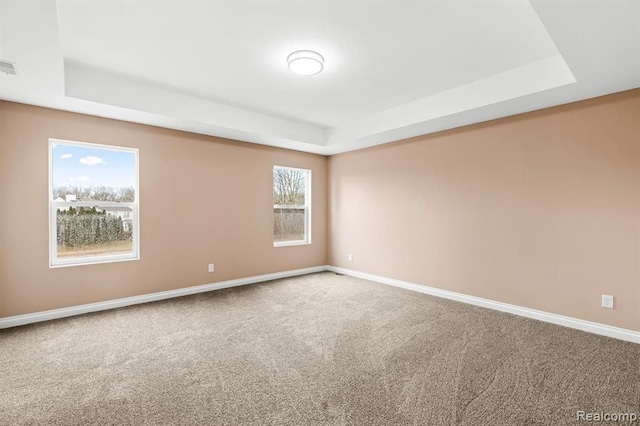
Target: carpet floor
x=320, y=349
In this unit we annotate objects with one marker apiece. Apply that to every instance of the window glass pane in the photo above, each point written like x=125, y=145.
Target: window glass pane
x=289, y=187
x=93, y=231
x=87, y=172
x=288, y=224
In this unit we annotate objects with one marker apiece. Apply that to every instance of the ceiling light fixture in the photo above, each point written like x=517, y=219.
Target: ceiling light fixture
x=305, y=62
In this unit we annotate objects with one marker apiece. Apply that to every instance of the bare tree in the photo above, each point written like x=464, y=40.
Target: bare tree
x=126, y=193
x=103, y=193
x=288, y=187
x=78, y=191
x=98, y=193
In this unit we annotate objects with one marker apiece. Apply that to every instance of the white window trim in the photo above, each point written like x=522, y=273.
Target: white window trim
x=54, y=262
x=307, y=209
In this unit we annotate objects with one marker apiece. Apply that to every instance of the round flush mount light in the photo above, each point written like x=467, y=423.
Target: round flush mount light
x=305, y=62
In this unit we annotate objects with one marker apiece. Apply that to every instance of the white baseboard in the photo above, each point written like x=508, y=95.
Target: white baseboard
x=152, y=297
x=591, y=327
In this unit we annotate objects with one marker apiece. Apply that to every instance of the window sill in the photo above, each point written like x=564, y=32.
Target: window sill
x=92, y=261
x=291, y=243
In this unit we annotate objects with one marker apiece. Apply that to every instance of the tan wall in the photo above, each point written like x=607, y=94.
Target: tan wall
x=540, y=210
x=203, y=200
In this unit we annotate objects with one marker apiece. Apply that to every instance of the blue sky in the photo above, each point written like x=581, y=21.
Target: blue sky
x=89, y=166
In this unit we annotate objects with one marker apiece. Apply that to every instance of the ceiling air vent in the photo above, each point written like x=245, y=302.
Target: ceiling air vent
x=7, y=67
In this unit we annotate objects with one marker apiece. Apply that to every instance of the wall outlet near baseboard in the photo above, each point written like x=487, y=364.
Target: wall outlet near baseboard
x=607, y=301
x=350, y=257
x=211, y=267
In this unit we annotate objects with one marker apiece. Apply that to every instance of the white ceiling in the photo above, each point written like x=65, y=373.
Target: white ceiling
x=393, y=69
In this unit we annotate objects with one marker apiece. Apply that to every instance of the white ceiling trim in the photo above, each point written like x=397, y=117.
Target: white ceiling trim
x=538, y=76
x=102, y=86
x=596, y=41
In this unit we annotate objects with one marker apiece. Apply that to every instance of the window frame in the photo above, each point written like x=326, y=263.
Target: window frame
x=54, y=261
x=306, y=207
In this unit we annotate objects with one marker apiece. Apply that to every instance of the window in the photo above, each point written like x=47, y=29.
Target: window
x=93, y=203
x=291, y=206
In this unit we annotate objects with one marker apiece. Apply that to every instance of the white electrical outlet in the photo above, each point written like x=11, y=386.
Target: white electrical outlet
x=607, y=301
x=350, y=257
x=211, y=267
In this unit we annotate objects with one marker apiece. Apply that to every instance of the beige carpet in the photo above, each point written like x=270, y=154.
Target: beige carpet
x=320, y=349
